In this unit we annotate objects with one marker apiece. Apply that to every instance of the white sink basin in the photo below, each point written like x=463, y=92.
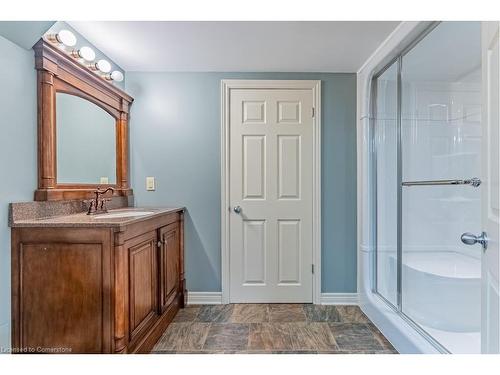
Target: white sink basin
x=117, y=215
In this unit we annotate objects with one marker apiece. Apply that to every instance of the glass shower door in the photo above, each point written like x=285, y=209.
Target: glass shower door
x=440, y=157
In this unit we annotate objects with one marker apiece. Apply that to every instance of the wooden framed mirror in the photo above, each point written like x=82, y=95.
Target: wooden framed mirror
x=82, y=129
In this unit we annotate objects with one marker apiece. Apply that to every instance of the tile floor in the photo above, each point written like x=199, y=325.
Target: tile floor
x=272, y=328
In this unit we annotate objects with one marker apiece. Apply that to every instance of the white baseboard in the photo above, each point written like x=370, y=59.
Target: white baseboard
x=339, y=299
x=215, y=298
x=204, y=298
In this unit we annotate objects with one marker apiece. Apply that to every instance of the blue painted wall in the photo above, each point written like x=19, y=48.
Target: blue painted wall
x=24, y=33
x=17, y=154
x=175, y=136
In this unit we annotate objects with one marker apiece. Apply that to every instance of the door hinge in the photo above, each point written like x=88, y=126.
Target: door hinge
x=312, y=268
x=313, y=112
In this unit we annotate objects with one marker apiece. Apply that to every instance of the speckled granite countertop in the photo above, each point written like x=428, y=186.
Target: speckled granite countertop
x=99, y=220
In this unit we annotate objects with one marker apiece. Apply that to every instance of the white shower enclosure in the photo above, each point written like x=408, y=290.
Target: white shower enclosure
x=427, y=185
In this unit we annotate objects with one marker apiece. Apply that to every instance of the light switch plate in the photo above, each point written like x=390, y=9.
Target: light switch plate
x=104, y=180
x=150, y=183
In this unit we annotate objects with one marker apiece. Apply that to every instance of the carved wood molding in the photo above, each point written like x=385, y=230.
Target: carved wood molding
x=58, y=72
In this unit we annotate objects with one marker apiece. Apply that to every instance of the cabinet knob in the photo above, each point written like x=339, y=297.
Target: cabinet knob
x=159, y=243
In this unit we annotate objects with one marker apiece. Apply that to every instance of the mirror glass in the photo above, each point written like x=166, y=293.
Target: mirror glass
x=86, y=142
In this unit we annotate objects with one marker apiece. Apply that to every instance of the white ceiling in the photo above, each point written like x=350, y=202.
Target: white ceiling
x=331, y=46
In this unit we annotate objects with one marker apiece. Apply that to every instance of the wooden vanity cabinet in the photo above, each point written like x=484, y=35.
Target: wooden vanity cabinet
x=96, y=289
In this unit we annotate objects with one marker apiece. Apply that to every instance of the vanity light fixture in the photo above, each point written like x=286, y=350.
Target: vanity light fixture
x=63, y=37
x=85, y=53
x=115, y=75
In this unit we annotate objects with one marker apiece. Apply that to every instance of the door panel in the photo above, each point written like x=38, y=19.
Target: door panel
x=254, y=112
x=289, y=112
x=169, y=264
x=289, y=249
x=254, y=249
x=289, y=163
x=271, y=180
x=142, y=283
x=254, y=167
x=490, y=319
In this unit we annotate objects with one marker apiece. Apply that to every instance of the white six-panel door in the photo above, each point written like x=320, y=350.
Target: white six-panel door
x=271, y=180
x=490, y=305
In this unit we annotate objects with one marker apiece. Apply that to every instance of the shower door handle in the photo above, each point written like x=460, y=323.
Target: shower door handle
x=471, y=239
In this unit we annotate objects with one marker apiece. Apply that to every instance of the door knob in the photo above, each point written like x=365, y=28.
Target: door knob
x=471, y=239
x=237, y=209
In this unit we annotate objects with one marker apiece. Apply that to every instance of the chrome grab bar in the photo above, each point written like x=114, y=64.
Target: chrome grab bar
x=473, y=182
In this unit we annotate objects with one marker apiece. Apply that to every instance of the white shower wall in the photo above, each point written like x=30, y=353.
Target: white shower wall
x=441, y=139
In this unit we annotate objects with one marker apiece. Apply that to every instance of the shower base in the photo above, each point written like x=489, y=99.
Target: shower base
x=442, y=290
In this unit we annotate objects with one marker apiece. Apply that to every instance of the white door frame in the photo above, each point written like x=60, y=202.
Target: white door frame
x=315, y=86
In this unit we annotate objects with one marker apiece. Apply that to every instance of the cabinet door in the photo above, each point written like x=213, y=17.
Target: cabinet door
x=59, y=298
x=143, y=281
x=169, y=264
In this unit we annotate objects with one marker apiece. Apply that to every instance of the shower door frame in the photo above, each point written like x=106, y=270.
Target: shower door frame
x=398, y=308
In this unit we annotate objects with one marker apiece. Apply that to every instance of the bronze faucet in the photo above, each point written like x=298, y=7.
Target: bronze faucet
x=98, y=205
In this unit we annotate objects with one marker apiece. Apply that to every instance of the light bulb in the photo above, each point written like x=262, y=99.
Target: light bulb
x=116, y=76
x=64, y=37
x=86, y=53
x=103, y=65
